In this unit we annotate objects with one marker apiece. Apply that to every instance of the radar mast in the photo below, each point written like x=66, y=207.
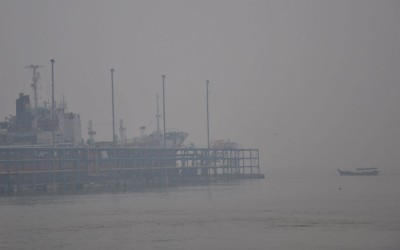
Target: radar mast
x=35, y=78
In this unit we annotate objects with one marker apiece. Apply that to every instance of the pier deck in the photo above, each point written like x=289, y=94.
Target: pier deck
x=40, y=168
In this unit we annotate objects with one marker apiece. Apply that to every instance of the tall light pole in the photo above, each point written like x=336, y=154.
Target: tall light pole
x=52, y=100
x=208, y=118
x=112, y=97
x=163, y=92
x=53, y=121
x=164, y=141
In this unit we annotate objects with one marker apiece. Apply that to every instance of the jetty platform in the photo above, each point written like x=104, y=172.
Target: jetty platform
x=33, y=168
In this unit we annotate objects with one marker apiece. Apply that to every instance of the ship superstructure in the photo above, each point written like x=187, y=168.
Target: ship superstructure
x=36, y=125
x=31, y=126
x=173, y=139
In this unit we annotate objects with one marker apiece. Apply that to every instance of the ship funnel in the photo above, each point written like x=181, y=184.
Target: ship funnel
x=143, y=131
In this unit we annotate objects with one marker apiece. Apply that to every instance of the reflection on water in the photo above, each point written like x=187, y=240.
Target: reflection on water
x=285, y=212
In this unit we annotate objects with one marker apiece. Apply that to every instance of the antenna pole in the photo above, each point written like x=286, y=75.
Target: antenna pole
x=112, y=96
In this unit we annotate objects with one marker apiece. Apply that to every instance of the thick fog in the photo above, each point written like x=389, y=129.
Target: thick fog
x=315, y=85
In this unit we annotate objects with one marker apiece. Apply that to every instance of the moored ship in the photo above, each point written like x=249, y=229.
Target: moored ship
x=41, y=148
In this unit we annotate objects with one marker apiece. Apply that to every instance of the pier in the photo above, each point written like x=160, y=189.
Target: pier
x=27, y=169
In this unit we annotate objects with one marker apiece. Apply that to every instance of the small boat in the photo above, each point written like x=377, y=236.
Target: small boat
x=360, y=171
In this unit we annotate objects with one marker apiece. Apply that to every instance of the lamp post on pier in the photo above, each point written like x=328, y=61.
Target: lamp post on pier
x=112, y=99
x=53, y=122
x=208, y=117
x=164, y=135
x=164, y=129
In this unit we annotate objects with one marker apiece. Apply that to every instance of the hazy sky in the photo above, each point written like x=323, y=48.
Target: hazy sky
x=312, y=84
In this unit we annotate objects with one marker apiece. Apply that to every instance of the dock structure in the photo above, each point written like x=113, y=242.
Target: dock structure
x=24, y=169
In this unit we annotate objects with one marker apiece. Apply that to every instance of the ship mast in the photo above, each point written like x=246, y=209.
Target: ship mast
x=122, y=132
x=91, y=132
x=35, y=78
x=158, y=116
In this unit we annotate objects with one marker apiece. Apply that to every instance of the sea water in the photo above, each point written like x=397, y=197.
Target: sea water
x=285, y=211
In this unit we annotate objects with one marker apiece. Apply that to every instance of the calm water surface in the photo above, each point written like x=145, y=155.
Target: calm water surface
x=280, y=212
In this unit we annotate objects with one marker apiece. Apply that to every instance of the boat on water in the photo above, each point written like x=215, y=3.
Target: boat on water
x=359, y=171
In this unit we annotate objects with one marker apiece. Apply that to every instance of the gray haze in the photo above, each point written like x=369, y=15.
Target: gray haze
x=315, y=85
